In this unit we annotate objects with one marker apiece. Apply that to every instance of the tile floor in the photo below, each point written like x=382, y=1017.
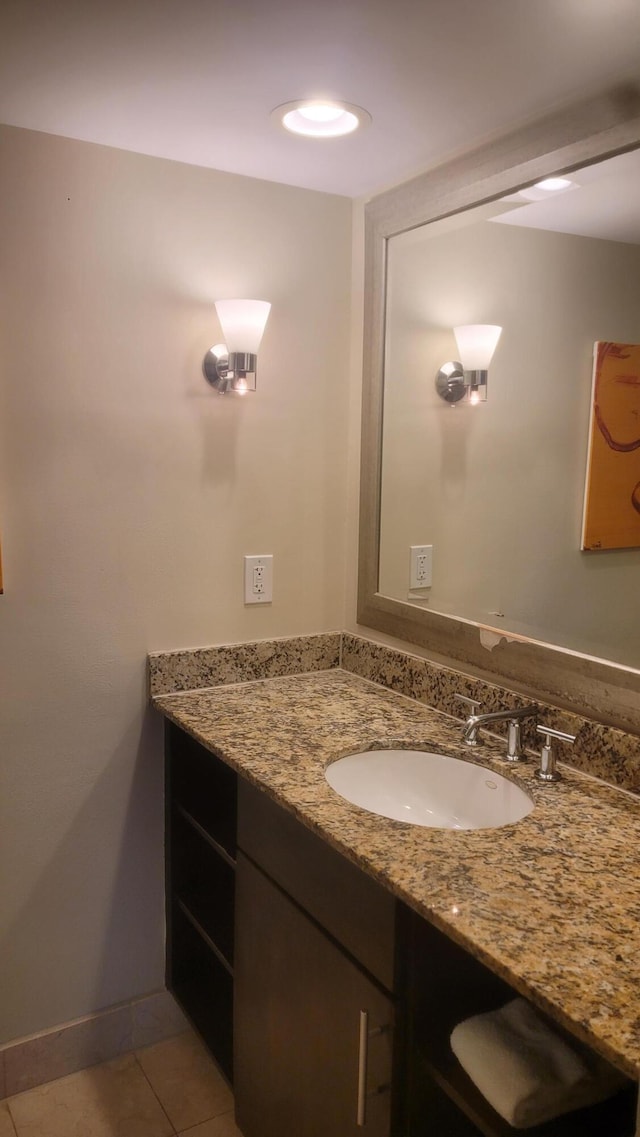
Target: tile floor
x=167, y=1089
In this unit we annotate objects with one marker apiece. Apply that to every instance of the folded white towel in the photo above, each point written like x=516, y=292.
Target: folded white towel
x=525, y=1070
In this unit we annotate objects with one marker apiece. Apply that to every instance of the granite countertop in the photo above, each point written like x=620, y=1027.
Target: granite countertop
x=552, y=903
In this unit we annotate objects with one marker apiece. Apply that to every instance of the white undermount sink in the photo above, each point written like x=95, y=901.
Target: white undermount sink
x=428, y=789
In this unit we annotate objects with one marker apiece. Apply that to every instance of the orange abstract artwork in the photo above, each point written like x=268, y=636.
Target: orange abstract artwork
x=612, y=497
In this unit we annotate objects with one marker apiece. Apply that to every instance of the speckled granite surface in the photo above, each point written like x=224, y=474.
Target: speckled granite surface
x=599, y=750
x=602, y=751
x=552, y=903
x=239, y=663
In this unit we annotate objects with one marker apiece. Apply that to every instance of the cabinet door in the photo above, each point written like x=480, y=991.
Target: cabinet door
x=298, y=1059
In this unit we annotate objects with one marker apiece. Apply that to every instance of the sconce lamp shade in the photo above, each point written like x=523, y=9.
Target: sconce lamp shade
x=466, y=378
x=243, y=323
x=476, y=345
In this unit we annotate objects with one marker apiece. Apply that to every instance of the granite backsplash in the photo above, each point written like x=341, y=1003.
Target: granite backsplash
x=602, y=751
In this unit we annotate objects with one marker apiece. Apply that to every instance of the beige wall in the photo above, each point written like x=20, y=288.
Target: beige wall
x=498, y=489
x=129, y=493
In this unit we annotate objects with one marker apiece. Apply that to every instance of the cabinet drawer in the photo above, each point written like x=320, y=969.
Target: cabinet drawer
x=353, y=908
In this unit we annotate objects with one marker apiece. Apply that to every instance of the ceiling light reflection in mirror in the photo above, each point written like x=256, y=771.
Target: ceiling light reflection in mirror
x=498, y=489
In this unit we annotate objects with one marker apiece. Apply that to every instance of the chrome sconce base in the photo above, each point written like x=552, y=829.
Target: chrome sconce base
x=450, y=383
x=235, y=371
x=453, y=384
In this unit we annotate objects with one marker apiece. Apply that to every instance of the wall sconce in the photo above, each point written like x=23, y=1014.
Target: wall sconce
x=232, y=366
x=468, y=379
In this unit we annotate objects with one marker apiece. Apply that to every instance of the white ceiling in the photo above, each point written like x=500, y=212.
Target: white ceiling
x=195, y=80
x=604, y=203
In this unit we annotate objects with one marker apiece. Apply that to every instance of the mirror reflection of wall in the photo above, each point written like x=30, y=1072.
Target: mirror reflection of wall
x=498, y=489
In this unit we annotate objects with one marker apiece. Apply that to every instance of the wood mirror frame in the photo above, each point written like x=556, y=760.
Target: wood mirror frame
x=565, y=141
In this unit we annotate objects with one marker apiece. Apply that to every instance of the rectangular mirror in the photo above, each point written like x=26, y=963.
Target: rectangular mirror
x=497, y=490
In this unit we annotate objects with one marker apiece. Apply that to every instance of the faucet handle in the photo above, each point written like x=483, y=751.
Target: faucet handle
x=475, y=704
x=547, y=771
x=470, y=733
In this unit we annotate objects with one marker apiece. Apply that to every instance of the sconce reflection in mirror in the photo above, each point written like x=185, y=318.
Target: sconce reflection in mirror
x=467, y=378
x=232, y=366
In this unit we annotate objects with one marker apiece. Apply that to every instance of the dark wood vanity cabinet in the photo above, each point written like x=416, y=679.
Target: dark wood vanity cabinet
x=326, y=1001
x=201, y=812
x=315, y=967
x=443, y=985
x=299, y=1001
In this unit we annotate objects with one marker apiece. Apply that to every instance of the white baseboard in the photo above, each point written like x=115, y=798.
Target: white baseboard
x=28, y=1062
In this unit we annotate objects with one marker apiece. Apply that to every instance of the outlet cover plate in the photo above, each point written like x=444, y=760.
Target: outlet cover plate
x=258, y=579
x=421, y=566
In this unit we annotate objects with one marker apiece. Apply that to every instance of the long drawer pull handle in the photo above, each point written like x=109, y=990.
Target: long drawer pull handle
x=363, y=1062
x=363, y=1054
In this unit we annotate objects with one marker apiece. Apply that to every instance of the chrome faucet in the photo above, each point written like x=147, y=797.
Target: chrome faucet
x=513, y=716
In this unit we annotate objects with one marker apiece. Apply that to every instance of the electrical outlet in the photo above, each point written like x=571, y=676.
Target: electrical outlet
x=258, y=579
x=421, y=566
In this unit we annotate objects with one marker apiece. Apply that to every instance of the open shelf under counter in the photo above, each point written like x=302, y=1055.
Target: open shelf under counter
x=203, y=986
x=204, y=789
x=204, y=882
x=614, y=1117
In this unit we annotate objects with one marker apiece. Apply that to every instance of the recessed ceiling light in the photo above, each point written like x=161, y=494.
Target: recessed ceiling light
x=548, y=186
x=320, y=118
x=553, y=185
